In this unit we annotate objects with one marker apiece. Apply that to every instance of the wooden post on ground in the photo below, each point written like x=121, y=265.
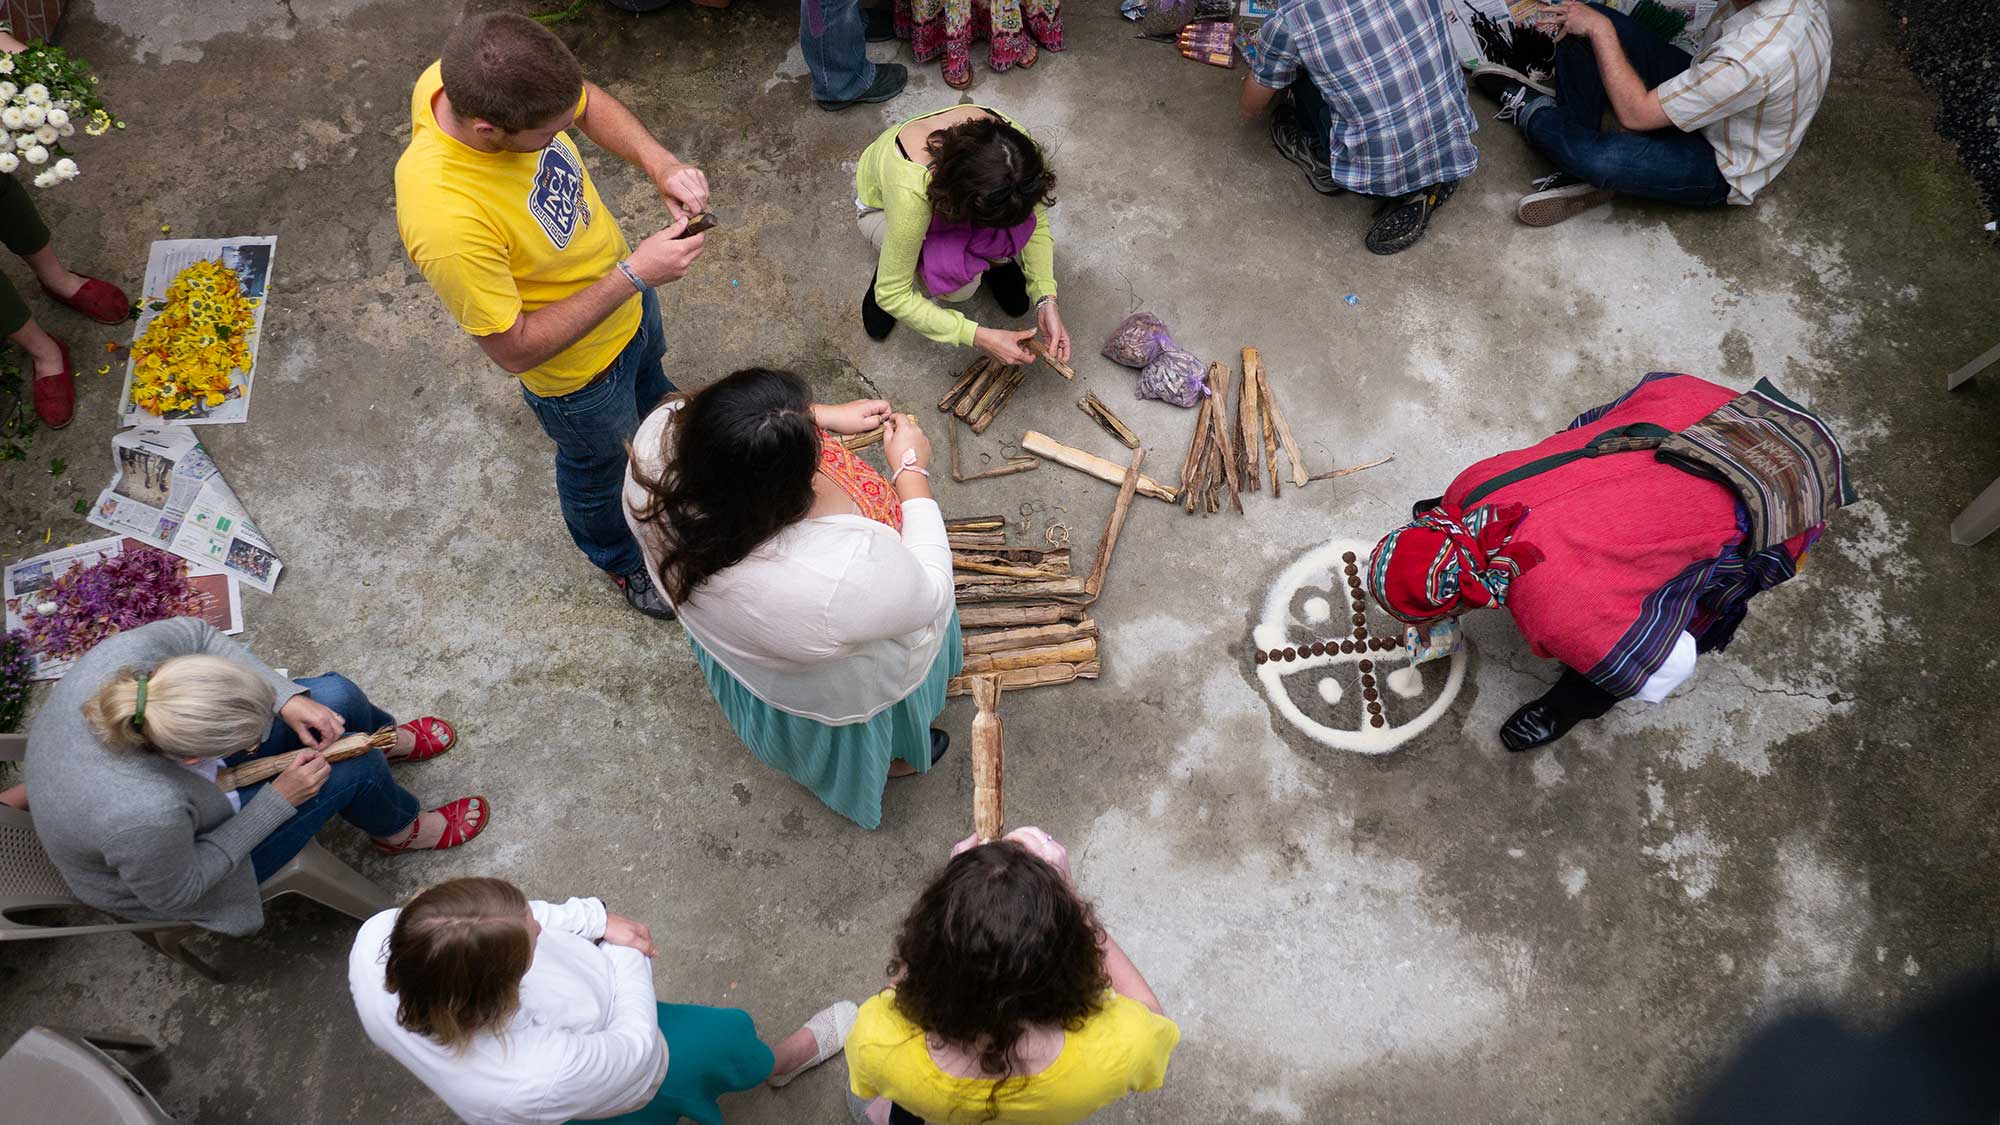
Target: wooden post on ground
x=989, y=752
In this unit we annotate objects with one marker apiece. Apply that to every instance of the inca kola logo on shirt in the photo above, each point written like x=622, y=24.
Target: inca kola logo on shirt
x=556, y=198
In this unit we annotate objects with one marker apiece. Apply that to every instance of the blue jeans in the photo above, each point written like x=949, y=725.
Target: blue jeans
x=1314, y=116
x=590, y=427
x=1665, y=164
x=834, y=44
x=358, y=790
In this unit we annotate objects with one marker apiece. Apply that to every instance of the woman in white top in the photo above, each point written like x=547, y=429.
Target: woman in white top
x=525, y=1013
x=817, y=596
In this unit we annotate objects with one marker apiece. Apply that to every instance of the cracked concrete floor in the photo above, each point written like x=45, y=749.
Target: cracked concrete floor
x=1444, y=933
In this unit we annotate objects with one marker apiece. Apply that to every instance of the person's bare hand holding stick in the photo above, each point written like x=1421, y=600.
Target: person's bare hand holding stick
x=301, y=781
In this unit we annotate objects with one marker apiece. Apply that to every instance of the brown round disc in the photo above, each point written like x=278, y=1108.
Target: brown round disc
x=1368, y=666
x=1369, y=694
x=1291, y=654
x=1360, y=633
x=1375, y=721
x=1277, y=654
x=1263, y=657
x=1367, y=681
x=1319, y=648
x=1374, y=708
x=1347, y=557
x=1347, y=646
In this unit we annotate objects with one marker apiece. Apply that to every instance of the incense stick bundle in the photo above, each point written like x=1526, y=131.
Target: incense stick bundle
x=1042, y=353
x=1042, y=445
x=989, y=409
x=1005, y=640
x=1101, y=414
x=964, y=382
x=989, y=751
x=1013, y=616
x=264, y=769
x=1046, y=675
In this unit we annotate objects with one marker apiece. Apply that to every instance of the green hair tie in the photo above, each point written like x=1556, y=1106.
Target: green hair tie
x=139, y=708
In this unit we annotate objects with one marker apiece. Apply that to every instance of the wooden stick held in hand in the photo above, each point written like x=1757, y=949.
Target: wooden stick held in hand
x=264, y=769
x=989, y=751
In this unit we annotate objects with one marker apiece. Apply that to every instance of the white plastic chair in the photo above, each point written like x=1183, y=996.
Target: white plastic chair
x=54, y=1075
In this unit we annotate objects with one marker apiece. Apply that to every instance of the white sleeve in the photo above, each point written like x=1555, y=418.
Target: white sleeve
x=1673, y=673
x=583, y=917
x=896, y=591
x=613, y=1071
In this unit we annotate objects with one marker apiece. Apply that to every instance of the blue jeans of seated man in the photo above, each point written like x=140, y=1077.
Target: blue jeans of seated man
x=590, y=427
x=1665, y=164
x=833, y=41
x=358, y=790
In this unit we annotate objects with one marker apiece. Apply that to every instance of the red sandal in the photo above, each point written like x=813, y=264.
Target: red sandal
x=99, y=300
x=458, y=827
x=428, y=745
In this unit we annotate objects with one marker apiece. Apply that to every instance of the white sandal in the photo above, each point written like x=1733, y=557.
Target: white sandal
x=829, y=1027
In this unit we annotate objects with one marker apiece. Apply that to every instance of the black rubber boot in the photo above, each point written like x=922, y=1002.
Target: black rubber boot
x=874, y=321
x=940, y=742
x=1010, y=288
x=1573, y=699
x=1418, y=509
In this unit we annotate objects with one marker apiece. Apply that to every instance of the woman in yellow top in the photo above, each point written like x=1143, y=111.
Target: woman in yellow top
x=948, y=199
x=1009, y=1003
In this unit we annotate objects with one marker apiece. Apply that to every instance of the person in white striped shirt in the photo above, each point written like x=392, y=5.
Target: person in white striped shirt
x=1704, y=130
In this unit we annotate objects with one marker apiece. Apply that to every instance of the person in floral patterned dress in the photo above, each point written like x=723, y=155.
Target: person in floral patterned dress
x=947, y=28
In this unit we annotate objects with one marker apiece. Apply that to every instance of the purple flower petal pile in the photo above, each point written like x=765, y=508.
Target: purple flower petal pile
x=88, y=604
x=17, y=673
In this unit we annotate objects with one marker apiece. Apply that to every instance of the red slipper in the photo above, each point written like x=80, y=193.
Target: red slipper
x=55, y=395
x=99, y=300
x=429, y=745
x=458, y=827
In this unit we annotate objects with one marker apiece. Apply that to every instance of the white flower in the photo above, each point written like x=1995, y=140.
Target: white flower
x=24, y=140
x=58, y=117
x=45, y=179
x=66, y=131
x=12, y=118
x=9, y=162
x=35, y=154
x=6, y=64
x=66, y=168
x=36, y=93
x=7, y=91
x=34, y=116
x=47, y=134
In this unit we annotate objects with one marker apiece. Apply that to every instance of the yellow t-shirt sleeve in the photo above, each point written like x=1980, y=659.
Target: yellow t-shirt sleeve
x=477, y=289
x=865, y=1046
x=1154, y=1041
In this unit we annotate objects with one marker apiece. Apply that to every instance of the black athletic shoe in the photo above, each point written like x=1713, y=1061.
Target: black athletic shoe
x=890, y=78
x=1010, y=288
x=1290, y=141
x=940, y=742
x=874, y=321
x=1400, y=222
x=878, y=25
x=642, y=595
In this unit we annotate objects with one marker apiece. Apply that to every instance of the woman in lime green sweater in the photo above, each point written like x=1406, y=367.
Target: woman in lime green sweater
x=951, y=198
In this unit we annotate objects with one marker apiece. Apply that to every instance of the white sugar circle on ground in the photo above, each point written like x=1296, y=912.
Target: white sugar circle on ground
x=1317, y=611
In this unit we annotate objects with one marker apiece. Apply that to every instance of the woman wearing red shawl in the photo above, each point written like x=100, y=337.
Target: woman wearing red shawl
x=1624, y=545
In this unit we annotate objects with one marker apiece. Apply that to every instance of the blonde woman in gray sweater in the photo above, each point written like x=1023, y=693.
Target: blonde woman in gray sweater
x=122, y=761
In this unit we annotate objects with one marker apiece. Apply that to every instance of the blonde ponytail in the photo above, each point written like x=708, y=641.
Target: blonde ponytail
x=195, y=707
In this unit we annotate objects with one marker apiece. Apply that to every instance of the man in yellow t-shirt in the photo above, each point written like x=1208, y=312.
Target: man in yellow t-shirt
x=497, y=210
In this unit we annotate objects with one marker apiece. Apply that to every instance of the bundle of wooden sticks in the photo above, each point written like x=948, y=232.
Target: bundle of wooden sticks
x=980, y=391
x=1234, y=445
x=1022, y=610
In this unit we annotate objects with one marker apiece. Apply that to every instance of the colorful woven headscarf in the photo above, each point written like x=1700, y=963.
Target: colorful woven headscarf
x=1437, y=565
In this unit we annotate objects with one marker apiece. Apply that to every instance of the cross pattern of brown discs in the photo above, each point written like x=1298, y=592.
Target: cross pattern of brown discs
x=1360, y=642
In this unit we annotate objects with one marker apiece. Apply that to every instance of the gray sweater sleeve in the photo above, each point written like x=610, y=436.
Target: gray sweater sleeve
x=206, y=638
x=170, y=868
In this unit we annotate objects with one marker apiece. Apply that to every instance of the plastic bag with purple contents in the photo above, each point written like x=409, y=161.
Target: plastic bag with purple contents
x=1176, y=377
x=1138, y=340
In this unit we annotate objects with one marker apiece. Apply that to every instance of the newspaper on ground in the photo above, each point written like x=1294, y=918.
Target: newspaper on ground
x=167, y=491
x=250, y=257
x=221, y=597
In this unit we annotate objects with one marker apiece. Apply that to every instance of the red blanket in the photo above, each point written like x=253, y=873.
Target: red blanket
x=1612, y=529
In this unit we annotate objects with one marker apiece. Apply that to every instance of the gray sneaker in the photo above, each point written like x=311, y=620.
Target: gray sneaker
x=1291, y=143
x=642, y=595
x=1558, y=197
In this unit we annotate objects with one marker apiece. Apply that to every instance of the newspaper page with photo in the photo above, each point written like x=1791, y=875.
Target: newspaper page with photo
x=22, y=582
x=167, y=491
x=248, y=258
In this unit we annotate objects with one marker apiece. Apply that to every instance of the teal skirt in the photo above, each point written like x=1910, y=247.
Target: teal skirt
x=844, y=766
x=710, y=1052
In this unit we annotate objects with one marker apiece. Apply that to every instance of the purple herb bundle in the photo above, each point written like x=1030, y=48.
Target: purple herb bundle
x=89, y=603
x=17, y=672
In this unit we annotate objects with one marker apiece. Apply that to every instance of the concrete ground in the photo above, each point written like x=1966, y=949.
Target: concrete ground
x=1448, y=932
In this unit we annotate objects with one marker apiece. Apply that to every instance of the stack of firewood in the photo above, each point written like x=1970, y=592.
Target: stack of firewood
x=1022, y=609
x=1232, y=445
x=980, y=391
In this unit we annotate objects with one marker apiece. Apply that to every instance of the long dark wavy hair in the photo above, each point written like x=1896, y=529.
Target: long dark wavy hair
x=997, y=943
x=988, y=173
x=743, y=453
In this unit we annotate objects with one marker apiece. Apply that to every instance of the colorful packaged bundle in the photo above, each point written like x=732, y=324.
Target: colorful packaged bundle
x=1213, y=43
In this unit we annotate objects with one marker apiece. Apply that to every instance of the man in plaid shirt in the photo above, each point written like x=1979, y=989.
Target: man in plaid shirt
x=1377, y=105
